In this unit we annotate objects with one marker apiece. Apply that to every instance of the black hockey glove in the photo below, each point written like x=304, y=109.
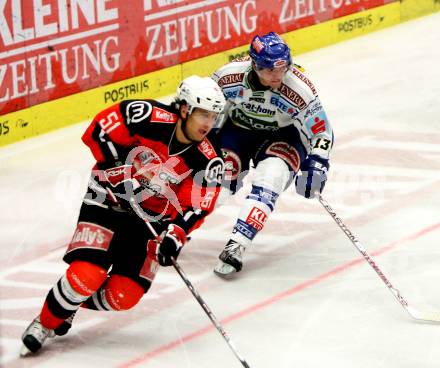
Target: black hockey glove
x=313, y=176
x=172, y=242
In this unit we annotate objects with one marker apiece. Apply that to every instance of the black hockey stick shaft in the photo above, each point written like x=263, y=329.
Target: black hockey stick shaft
x=191, y=288
x=208, y=312
x=416, y=314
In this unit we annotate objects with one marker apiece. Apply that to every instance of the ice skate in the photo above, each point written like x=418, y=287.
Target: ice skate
x=34, y=337
x=231, y=260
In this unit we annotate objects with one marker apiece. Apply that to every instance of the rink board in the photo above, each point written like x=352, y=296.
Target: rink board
x=69, y=110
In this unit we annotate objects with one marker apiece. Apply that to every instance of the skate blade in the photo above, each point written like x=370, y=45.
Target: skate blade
x=224, y=270
x=24, y=351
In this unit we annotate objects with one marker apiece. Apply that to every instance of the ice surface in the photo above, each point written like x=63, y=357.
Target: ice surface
x=304, y=298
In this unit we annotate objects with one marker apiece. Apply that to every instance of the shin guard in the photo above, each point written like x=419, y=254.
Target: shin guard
x=117, y=294
x=81, y=280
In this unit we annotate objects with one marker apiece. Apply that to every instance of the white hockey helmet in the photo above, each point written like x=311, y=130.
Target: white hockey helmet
x=201, y=92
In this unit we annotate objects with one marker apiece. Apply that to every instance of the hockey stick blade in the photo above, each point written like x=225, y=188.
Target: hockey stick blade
x=425, y=316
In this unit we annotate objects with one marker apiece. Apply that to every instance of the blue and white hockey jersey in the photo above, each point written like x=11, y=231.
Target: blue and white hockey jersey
x=296, y=103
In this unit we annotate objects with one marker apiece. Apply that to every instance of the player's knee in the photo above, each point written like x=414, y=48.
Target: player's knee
x=122, y=293
x=274, y=174
x=85, y=277
x=271, y=177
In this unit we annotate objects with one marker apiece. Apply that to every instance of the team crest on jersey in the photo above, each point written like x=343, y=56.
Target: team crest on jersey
x=162, y=116
x=214, y=171
x=137, y=111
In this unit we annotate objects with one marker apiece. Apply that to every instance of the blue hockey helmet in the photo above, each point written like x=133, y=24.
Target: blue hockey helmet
x=270, y=51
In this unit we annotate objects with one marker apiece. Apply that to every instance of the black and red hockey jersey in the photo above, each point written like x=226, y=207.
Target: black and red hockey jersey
x=181, y=182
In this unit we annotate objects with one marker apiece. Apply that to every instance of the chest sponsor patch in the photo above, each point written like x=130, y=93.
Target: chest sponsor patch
x=162, y=116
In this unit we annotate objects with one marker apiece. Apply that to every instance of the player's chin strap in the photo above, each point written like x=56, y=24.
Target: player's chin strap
x=418, y=315
x=136, y=207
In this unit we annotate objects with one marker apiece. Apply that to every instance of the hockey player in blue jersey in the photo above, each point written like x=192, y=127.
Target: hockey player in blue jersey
x=275, y=121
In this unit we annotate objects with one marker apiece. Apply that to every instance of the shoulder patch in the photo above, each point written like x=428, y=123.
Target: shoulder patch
x=306, y=80
x=207, y=149
x=137, y=111
x=230, y=79
x=162, y=116
x=293, y=96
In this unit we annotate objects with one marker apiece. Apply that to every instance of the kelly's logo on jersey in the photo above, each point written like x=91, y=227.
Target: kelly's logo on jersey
x=162, y=116
x=88, y=235
x=207, y=149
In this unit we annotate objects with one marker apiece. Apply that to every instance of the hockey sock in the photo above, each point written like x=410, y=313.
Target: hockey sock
x=257, y=207
x=81, y=280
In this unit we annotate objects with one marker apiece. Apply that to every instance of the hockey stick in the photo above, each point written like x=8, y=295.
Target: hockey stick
x=413, y=312
x=191, y=288
x=209, y=313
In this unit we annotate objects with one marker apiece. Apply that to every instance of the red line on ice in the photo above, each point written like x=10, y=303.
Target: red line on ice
x=294, y=290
